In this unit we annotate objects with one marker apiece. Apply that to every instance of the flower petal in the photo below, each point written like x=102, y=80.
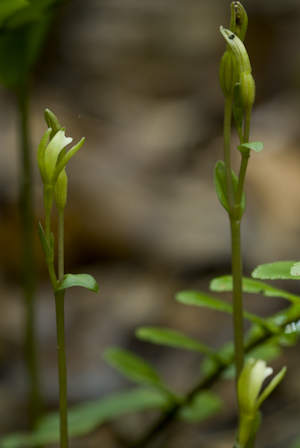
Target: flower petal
x=58, y=142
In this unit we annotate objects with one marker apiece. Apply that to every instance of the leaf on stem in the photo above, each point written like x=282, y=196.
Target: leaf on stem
x=255, y=146
x=84, y=280
x=204, y=300
x=203, y=406
x=48, y=251
x=275, y=271
x=224, y=283
x=133, y=367
x=171, y=338
x=220, y=185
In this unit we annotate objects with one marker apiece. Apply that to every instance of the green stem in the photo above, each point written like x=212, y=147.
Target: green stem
x=29, y=268
x=62, y=370
x=237, y=265
x=237, y=274
x=226, y=143
x=59, y=300
x=60, y=246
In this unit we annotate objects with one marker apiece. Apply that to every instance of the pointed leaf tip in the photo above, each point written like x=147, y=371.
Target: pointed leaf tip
x=255, y=146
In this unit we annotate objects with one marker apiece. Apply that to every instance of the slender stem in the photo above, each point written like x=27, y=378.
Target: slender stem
x=62, y=370
x=29, y=268
x=237, y=264
x=237, y=274
x=59, y=300
x=60, y=246
x=226, y=142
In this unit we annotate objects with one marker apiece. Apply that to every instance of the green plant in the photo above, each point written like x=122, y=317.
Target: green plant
x=245, y=359
x=52, y=159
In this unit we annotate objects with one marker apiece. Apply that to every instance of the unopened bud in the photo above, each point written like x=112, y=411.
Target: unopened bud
x=239, y=20
x=248, y=90
x=243, y=67
x=60, y=190
x=228, y=74
x=52, y=122
x=238, y=109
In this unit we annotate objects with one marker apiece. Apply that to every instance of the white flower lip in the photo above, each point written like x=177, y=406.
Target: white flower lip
x=58, y=142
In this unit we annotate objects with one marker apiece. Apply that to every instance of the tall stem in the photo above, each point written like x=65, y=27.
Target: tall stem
x=237, y=265
x=237, y=274
x=226, y=143
x=62, y=370
x=29, y=268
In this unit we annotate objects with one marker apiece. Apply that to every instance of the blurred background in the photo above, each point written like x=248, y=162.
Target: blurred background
x=139, y=79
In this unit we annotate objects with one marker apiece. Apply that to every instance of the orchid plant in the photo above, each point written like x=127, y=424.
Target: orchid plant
x=244, y=360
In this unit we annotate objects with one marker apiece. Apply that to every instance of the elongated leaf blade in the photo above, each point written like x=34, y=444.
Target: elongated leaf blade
x=84, y=280
x=171, y=338
x=132, y=367
x=204, y=300
x=48, y=251
x=220, y=185
x=199, y=299
x=224, y=283
x=280, y=270
x=204, y=405
x=87, y=417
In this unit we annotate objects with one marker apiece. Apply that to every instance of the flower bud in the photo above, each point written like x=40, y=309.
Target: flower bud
x=243, y=67
x=238, y=109
x=60, y=190
x=239, y=20
x=52, y=123
x=228, y=75
x=249, y=384
x=248, y=90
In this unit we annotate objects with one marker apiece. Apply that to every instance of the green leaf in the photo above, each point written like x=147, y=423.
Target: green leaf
x=84, y=280
x=295, y=269
x=224, y=283
x=48, y=251
x=220, y=185
x=275, y=271
x=296, y=443
x=22, y=39
x=132, y=367
x=204, y=300
x=170, y=338
x=86, y=417
x=255, y=146
x=10, y=7
x=204, y=405
x=199, y=299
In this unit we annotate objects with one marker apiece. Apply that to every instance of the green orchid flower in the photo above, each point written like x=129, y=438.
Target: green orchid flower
x=249, y=385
